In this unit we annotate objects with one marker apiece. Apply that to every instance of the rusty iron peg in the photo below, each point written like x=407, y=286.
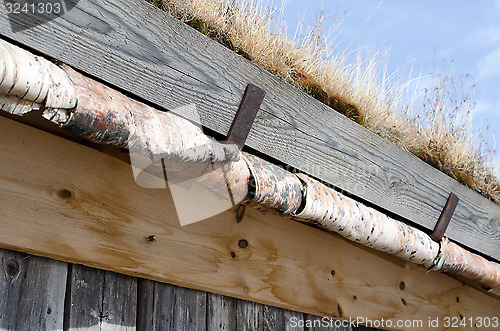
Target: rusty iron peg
x=445, y=218
x=245, y=116
x=241, y=126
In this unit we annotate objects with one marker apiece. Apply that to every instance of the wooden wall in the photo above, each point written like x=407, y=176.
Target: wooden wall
x=44, y=294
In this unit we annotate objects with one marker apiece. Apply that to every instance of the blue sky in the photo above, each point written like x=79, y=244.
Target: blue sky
x=461, y=36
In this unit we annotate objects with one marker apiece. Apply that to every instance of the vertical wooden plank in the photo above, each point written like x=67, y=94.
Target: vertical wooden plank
x=102, y=300
x=226, y=313
x=221, y=313
x=164, y=307
x=273, y=318
x=155, y=306
x=31, y=292
x=119, y=302
x=190, y=311
x=249, y=316
x=86, y=290
x=291, y=317
x=146, y=316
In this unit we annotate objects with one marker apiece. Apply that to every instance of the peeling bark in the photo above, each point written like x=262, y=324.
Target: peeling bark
x=13, y=105
x=273, y=189
x=107, y=116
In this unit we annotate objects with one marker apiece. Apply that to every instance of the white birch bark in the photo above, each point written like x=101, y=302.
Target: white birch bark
x=27, y=81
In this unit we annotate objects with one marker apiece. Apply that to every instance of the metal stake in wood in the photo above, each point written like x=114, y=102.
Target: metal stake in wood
x=445, y=218
x=243, y=120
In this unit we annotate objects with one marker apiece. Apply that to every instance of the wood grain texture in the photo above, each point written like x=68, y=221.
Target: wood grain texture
x=291, y=315
x=273, y=318
x=101, y=300
x=221, y=313
x=106, y=218
x=169, y=307
x=31, y=292
x=190, y=309
x=155, y=311
x=249, y=316
x=151, y=55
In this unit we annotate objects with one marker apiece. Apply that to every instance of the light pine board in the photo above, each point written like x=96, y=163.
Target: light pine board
x=33, y=298
x=107, y=218
x=155, y=57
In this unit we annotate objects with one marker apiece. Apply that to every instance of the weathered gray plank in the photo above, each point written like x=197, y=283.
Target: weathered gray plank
x=31, y=292
x=221, y=313
x=254, y=316
x=226, y=313
x=119, y=302
x=86, y=294
x=157, y=58
x=273, y=318
x=168, y=307
x=291, y=318
x=190, y=309
x=155, y=306
x=249, y=316
x=101, y=300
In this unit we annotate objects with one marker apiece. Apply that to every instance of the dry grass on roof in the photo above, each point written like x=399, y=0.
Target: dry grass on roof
x=440, y=134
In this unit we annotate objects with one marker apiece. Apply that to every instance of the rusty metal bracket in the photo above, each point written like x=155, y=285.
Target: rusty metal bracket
x=444, y=218
x=243, y=120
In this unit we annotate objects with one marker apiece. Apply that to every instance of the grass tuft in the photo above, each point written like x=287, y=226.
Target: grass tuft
x=439, y=133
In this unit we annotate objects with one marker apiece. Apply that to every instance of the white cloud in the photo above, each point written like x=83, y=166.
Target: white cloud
x=489, y=65
x=441, y=52
x=487, y=36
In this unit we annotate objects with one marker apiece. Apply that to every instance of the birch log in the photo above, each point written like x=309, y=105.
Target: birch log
x=107, y=116
x=104, y=115
x=454, y=259
x=354, y=221
x=33, y=81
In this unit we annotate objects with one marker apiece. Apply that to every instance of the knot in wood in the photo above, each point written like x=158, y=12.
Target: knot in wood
x=65, y=194
x=12, y=269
